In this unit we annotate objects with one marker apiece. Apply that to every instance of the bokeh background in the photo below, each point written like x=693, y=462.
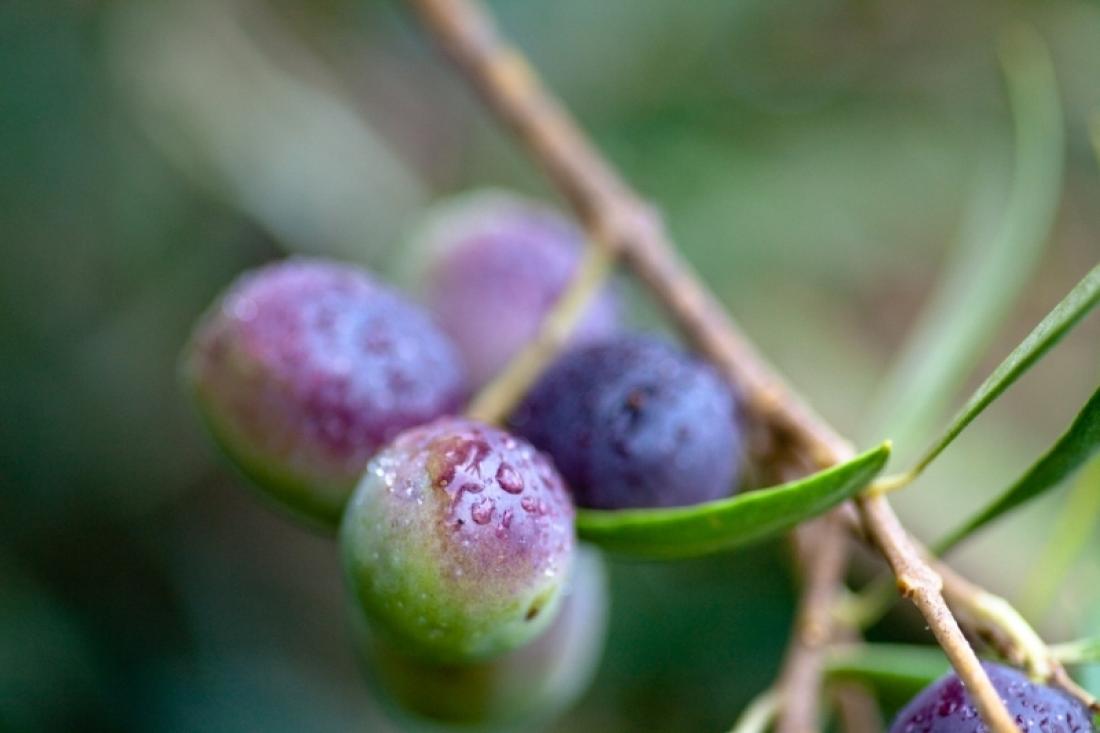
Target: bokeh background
x=816, y=160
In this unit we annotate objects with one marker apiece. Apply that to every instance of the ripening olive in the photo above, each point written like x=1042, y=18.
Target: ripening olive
x=457, y=541
x=304, y=368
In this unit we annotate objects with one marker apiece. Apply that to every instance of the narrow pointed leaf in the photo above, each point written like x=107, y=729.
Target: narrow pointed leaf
x=1076, y=446
x=898, y=670
x=1069, y=538
x=1082, y=651
x=997, y=252
x=1050, y=330
x=727, y=523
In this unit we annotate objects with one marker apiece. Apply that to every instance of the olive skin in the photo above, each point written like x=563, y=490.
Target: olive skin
x=944, y=706
x=490, y=266
x=633, y=421
x=458, y=541
x=306, y=367
x=514, y=691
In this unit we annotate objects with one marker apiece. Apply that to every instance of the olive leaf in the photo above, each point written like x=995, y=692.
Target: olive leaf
x=1067, y=539
x=1068, y=453
x=1082, y=651
x=998, y=249
x=714, y=526
x=897, y=670
x=1050, y=330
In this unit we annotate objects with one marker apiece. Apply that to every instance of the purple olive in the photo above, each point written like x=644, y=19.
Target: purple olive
x=492, y=266
x=635, y=422
x=944, y=706
x=305, y=368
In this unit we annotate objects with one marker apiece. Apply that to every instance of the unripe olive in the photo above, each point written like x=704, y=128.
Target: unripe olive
x=491, y=266
x=457, y=541
x=304, y=368
x=519, y=688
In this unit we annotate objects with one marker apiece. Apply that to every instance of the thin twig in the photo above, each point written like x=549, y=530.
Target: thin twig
x=631, y=227
x=1011, y=634
x=1078, y=651
x=759, y=713
x=501, y=395
x=924, y=587
x=620, y=219
x=1061, y=678
x=824, y=554
x=998, y=622
x=857, y=709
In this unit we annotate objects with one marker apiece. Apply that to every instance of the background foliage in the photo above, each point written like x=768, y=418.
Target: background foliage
x=814, y=159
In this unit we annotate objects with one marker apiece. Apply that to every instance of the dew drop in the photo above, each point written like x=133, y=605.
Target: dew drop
x=482, y=511
x=508, y=479
x=471, y=488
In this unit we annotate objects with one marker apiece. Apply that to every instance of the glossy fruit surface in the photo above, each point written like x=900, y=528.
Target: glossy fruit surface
x=635, y=422
x=494, y=264
x=944, y=706
x=521, y=687
x=304, y=368
x=458, y=540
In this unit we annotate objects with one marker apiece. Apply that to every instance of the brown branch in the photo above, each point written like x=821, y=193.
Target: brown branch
x=622, y=221
x=997, y=622
x=823, y=552
x=1009, y=633
x=857, y=709
x=924, y=587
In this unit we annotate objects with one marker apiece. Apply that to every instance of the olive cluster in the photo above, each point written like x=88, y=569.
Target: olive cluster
x=340, y=398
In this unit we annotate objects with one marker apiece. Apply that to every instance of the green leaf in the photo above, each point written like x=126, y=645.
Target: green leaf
x=1067, y=454
x=1068, y=541
x=1050, y=330
x=1082, y=651
x=1090, y=674
x=998, y=250
x=702, y=529
x=900, y=670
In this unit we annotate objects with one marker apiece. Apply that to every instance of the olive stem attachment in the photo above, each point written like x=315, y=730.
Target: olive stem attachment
x=499, y=397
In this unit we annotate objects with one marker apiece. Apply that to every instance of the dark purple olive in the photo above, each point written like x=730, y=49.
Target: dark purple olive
x=635, y=422
x=945, y=707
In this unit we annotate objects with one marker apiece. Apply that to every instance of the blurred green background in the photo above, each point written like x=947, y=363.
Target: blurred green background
x=814, y=159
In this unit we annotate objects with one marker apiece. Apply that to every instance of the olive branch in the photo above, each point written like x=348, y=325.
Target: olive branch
x=788, y=436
